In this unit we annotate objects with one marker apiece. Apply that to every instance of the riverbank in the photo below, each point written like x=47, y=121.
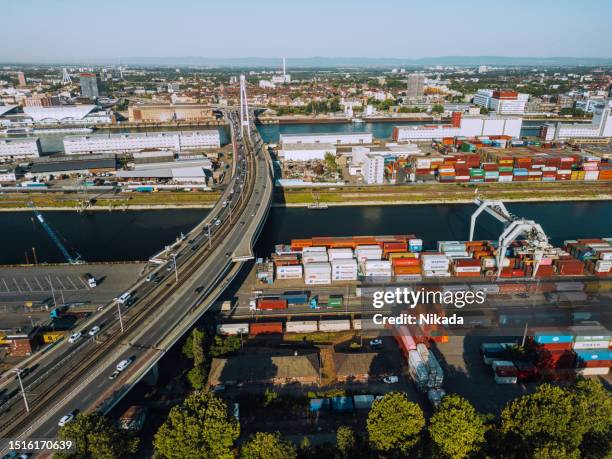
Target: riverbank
x=377, y=195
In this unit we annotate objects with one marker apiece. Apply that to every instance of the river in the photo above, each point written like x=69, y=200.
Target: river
x=136, y=235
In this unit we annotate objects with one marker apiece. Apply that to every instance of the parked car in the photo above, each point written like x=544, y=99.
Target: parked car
x=390, y=379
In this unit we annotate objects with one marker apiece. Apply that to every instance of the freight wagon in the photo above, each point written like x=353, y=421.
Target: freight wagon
x=334, y=325
x=263, y=328
x=233, y=329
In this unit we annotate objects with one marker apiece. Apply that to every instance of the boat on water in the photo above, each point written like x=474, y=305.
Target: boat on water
x=357, y=120
x=16, y=131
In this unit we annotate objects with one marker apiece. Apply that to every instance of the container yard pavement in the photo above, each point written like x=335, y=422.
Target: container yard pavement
x=19, y=284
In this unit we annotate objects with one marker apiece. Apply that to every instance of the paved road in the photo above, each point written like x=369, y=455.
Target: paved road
x=168, y=305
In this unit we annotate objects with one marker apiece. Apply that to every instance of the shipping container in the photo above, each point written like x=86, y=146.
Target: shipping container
x=261, y=328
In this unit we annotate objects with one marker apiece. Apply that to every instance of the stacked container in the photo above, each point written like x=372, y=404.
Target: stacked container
x=317, y=273
x=289, y=272
x=368, y=252
x=435, y=265
x=344, y=270
x=591, y=345
x=314, y=255
x=376, y=268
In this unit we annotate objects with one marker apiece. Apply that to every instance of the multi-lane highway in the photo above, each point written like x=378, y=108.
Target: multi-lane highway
x=74, y=377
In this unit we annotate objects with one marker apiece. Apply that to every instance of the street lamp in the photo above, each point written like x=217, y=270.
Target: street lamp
x=25, y=400
x=175, y=268
x=120, y=318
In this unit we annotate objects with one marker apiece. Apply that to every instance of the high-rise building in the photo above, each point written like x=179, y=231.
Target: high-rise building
x=91, y=85
x=416, y=85
x=502, y=102
x=22, y=79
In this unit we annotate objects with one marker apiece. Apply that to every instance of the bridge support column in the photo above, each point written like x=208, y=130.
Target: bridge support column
x=152, y=376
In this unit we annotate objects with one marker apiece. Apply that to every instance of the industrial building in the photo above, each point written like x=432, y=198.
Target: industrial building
x=502, y=102
x=129, y=143
x=600, y=127
x=179, y=171
x=164, y=113
x=72, y=165
x=461, y=126
x=333, y=138
x=306, y=151
x=68, y=114
x=24, y=148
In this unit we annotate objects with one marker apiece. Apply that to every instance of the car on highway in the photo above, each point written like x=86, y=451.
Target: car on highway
x=74, y=337
x=157, y=279
x=199, y=289
x=65, y=419
x=114, y=375
x=170, y=267
x=195, y=247
x=94, y=330
x=124, y=364
x=150, y=277
x=224, y=204
x=217, y=222
x=390, y=379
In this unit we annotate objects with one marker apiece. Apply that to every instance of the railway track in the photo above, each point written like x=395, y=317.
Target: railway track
x=132, y=321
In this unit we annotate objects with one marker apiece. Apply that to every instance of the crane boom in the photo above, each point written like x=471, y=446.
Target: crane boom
x=54, y=236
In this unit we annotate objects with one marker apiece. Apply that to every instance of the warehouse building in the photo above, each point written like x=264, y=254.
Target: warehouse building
x=461, y=126
x=129, y=143
x=196, y=171
x=165, y=113
x=306, y=151
x=24, y=148
x=333, y=138
x=72, y=165
x=600, y=127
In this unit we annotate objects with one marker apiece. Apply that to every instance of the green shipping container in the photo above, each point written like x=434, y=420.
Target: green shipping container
x=335, y=301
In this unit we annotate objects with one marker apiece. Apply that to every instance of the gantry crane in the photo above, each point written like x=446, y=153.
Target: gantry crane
x=69, y=258
x=514, y=227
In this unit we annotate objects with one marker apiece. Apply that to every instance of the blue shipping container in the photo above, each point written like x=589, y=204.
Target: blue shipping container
x=301, y=298
x=593, y=354
x=342, y=403
x=319, y=404
x=547, y=338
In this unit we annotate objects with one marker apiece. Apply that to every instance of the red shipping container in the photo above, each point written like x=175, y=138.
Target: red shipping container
x=555, y=359
x=467, y=263
x=265, y=328
x=405, y=262
x=268, y=304
x=526, y=371
x=399, y=270
x=556, y=346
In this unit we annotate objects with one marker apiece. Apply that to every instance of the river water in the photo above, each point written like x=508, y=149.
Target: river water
x=136, y=235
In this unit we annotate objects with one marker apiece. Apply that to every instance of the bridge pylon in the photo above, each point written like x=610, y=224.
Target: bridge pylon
x=244, y=105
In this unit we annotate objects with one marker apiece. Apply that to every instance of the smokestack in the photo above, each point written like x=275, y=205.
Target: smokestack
x=284, y=69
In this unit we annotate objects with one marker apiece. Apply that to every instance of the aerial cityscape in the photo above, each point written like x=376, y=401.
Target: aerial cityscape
x=272, y=230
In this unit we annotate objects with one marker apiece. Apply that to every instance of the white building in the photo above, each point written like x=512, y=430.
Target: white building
x=335, y=139
x=266, y=84
x=374, y=169
x=502, y=102
x=306, y=151
x=8, y=174
x=128, y=143
x=25, y=148
x=69, y=114
x=600, y=127
x=285, y=78
x=465, y=126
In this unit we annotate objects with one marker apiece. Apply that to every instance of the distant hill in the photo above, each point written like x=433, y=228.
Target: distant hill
x=371, y=61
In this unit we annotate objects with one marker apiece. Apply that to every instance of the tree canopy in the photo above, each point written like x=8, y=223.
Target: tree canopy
x=96, y=437
x=394, y=423
x=201, y=424
x=345, y=441
x=456, y=429
x=265, y=445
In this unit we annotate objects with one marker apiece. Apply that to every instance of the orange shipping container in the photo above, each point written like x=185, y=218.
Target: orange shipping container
x=400, y=270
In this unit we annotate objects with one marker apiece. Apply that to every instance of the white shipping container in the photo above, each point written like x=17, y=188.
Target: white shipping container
x=454, y=255
x=338, y=264
x=314, y=249
x=356, y=324
x=318, y=281
x=315, y=258
x=603, y=266
x=304, y=326
x=372, y=265
x=334, y=325
x=289, y=272
x=591, y=344
x=317, y=268
x=593, y=371
x=232, y=329
x=340, y=254
x=467, y=269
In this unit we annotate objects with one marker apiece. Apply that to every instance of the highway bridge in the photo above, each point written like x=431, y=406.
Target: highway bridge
x=73, y=378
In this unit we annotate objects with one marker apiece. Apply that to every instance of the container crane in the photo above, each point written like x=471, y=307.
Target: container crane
x=514, y=227
x=54, y=237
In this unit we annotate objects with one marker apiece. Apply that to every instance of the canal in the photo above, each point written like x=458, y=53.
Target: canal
x=136, y=235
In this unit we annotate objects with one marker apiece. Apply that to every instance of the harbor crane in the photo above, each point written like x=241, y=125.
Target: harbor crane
x=69, y=258
x=514, y=228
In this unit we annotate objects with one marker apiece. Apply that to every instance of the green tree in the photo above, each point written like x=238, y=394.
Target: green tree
x=227, y=345
x=265, y=445
x=547, y=417
x=394, y=423
x=96, y=437
x=330, y=163
x=456, y=429
x=438, y=109
x=202, y=423
x=595, y=404
x=197, y=377
x=345, y=441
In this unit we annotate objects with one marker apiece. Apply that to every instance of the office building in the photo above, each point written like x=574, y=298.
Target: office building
x=416, y=86
x=21, y=79
x=91, y=85
x=25, y=148
x=129, y=143
x=335, y=139
x=374, y=169
x=461, y=126
x=502, y=102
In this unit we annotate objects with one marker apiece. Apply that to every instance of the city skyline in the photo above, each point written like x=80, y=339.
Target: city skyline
x=344, y=29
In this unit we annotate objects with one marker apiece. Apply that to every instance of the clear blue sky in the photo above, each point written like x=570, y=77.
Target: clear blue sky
x=80, y=29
